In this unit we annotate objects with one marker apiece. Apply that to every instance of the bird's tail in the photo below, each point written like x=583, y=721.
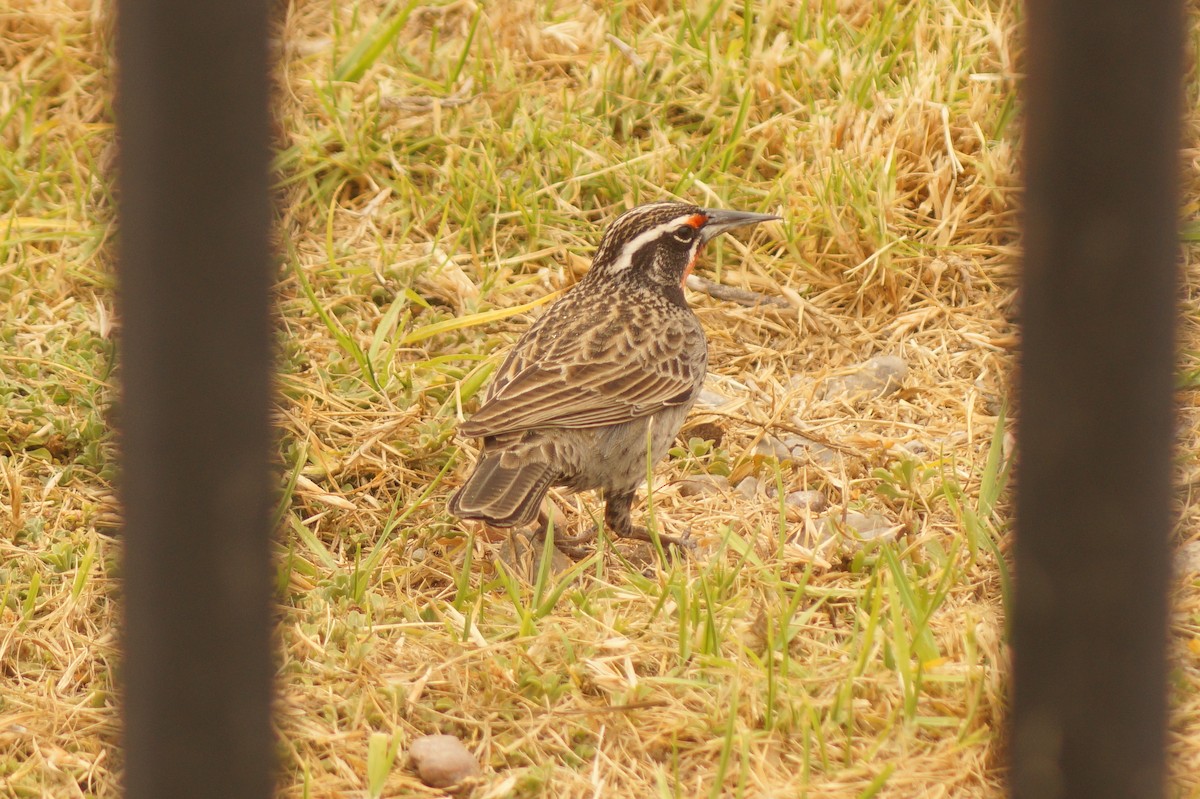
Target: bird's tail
x=504, y=496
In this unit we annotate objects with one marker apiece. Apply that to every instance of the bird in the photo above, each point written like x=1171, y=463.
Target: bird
x=596, y=389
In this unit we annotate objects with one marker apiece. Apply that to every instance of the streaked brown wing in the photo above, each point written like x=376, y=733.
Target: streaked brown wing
x=591, y=378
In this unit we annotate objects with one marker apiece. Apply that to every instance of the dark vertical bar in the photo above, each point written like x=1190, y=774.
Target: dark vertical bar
x=193, y=285
x=1096, y=414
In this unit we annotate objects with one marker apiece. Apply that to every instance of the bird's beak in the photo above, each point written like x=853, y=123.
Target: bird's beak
x=721, y=221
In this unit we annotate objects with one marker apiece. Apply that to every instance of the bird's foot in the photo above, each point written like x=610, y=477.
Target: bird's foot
x=684, y=543
x=573, y=545
x=579, y=546
x=522, y=551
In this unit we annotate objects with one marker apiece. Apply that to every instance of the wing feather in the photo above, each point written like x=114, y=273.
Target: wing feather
x=587, y=372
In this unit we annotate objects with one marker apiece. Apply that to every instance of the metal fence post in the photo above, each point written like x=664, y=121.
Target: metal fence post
x=193, y=290
x=1096, y=415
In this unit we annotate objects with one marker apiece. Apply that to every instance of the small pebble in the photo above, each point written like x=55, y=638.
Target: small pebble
x=855, y=527
x=795, y=448
x=878, y=377
x=702, y=485
x=1187, y=558
x=808, y=450
x=442, y=761
x=748, y=487
x=772, y=447
x=711, y=399
x=814, y=501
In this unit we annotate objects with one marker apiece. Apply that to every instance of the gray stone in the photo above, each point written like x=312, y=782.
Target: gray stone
x=795, y=448
x=855, y=528
x=711, y=399
x=772, y=447
x=748, y=487
x=814, y=501
x=1187, y=558
x=805, y=449
x=877, y=377
x=442, y=761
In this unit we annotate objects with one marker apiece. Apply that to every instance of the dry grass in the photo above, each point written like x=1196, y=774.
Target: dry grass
x=464, y=173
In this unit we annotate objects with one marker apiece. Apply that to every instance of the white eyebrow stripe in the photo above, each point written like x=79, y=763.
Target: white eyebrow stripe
x=625, y=260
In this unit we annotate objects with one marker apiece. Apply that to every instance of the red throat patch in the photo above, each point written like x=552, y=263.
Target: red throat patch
x=697, y=221
x=691, y=265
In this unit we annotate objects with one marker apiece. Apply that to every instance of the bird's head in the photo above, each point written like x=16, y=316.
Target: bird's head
x=658, y=243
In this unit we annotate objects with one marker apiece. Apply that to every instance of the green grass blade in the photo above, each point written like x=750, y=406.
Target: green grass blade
x=313, y=543
x=473, y=320
x=360, y=58
x=995, y=470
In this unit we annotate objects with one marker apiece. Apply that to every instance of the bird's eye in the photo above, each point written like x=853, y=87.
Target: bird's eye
x=684, y=234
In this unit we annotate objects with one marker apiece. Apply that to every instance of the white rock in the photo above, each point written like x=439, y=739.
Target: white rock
x=442, y=761
x=1187, y=559
x=772, y=447
x=711, y=399
x=795, y=448
x=805, y=449
x=855, y=528
x=814, y=501
x=877, y=377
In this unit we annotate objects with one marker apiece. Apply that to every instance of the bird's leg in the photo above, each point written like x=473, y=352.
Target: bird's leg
x=618, y=519
x=569, y=545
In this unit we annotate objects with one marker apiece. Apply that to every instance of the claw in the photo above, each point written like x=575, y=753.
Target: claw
x=572, y=545
x=575, y=546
